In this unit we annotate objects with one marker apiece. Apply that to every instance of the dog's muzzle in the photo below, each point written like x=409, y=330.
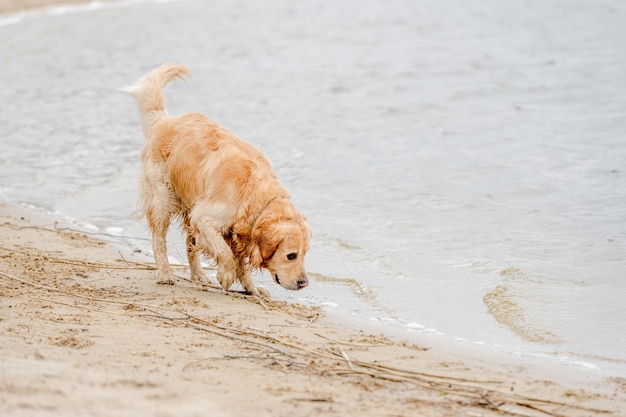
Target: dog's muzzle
x=302, y=282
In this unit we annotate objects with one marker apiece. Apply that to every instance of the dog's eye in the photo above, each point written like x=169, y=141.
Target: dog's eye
x=292, y=256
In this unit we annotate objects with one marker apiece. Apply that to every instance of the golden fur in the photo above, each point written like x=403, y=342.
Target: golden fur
x=231, y=203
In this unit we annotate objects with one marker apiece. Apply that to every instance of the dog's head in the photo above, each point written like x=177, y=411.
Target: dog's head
x=279, y=244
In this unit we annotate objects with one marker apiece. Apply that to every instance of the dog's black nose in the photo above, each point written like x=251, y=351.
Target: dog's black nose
x=303, y=283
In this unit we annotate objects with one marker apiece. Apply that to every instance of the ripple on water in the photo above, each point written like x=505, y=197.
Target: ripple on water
x=504, y=305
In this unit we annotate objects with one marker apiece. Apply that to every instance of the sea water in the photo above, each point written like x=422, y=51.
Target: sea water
x=462, y=164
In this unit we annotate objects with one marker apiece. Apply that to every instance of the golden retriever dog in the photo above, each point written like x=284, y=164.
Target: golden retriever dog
x=232, y=206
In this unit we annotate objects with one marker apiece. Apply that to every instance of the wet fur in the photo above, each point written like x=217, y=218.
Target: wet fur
x=232, y=206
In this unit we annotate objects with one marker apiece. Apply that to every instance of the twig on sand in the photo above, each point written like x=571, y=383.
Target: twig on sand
x=98, y=310
x=313, y=399
x=133, y=265
x=345, y=356
x=217, y=288
x=78, y=262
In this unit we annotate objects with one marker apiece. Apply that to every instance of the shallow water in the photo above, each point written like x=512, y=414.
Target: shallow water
x=463, y=164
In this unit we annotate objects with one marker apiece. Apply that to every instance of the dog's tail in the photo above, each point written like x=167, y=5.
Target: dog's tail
x=148, y=92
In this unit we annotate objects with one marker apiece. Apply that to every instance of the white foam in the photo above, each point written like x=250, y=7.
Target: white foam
x=414, y=326
x=329, y=304
x=586, y=365
x=90, y=227
x=115, y=231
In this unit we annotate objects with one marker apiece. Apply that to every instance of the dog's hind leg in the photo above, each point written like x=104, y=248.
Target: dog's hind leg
x=193, y=255
x=159, y=207
x=159, y=224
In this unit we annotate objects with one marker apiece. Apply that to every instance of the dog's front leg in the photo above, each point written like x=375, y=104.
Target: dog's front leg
x=243, y=271
x=210, y=239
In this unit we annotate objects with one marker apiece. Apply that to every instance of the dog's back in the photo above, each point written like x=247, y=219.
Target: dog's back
x=206, y=162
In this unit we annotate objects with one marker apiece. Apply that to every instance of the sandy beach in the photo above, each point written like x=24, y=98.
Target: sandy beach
x=86, y=331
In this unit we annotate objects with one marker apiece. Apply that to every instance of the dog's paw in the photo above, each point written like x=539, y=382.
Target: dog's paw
x=200, y=277
x=165, y=278
x=259, y=292
x=262, y=292
x=226, y=275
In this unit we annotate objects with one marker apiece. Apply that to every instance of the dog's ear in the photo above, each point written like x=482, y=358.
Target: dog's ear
x=256, y=260
x=263, y=250
x=265, y=241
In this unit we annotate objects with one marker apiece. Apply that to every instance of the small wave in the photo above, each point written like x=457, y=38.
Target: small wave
x=365, y=293
x=373, y=261
x=340, y=243
x=599, y=358
x=503, y=306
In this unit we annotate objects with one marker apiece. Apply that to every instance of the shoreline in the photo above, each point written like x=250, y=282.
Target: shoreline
x=84, y=323
x=400, y=333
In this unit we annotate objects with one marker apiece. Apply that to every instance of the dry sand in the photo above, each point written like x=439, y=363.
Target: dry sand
x=86, y=331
